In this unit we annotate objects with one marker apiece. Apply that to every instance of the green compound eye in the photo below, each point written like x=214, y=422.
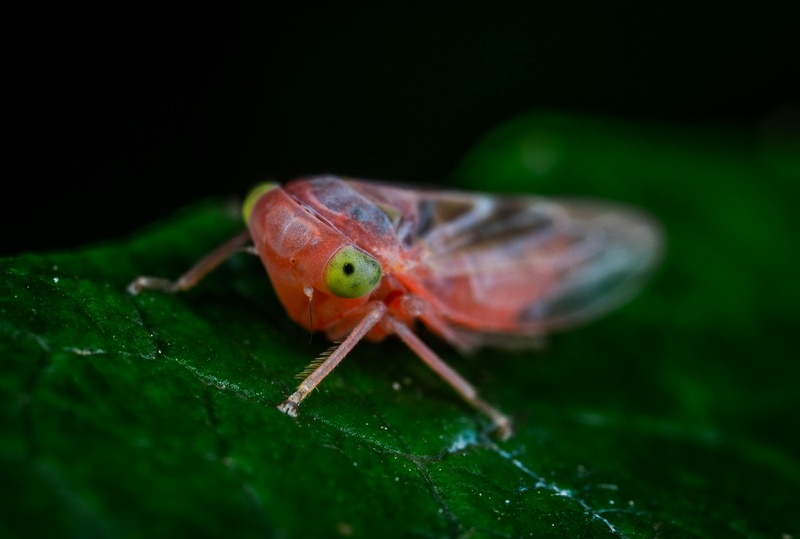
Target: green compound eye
x=352, y=273
x=252, y=198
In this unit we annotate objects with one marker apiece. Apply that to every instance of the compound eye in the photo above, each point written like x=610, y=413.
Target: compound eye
x=255, y=193
x=352, y=273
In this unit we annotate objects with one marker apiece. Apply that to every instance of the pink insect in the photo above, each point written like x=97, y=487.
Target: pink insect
x=359, y=259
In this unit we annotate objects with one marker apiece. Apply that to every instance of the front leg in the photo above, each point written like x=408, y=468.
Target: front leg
x=373, y=316
x=196, y=272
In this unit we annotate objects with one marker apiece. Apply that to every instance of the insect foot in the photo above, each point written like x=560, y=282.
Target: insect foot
x=505, y=428
x=149, y=283
x=288, y=407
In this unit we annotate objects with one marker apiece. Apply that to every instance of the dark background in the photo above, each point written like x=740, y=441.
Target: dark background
x=119, y=116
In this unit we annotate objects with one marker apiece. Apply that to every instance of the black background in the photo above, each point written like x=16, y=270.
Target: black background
x=116, y=117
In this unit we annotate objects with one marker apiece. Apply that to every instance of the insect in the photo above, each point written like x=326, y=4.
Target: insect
x=359, y=259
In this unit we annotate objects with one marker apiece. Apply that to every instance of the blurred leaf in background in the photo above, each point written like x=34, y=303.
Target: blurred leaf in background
x=673, y=417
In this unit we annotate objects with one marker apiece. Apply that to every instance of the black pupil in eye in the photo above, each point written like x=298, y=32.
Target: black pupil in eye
x=348, y=268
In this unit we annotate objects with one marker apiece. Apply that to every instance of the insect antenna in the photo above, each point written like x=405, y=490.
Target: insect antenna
x=314, y=365
x=309, y=292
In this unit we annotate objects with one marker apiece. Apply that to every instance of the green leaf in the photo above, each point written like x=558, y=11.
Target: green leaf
x=676, y=416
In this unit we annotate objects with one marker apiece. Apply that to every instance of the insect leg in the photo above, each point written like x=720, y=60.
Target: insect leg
x=196, y=272
x=456, y=381
x=373, y=316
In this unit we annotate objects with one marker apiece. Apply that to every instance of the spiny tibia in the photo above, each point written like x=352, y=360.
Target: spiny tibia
x=314, y=365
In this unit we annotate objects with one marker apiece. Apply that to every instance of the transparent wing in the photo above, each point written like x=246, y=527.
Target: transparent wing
x=507, y=270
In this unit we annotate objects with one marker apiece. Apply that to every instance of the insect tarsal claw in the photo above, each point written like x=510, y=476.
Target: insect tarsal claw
x=288, y=407
x=134, y=287
x=505, y=429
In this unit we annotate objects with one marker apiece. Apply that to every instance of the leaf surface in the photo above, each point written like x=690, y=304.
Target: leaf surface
x=675, y=416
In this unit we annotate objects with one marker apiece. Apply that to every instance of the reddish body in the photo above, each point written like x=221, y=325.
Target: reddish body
x=481, y=269
x=476, y=269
